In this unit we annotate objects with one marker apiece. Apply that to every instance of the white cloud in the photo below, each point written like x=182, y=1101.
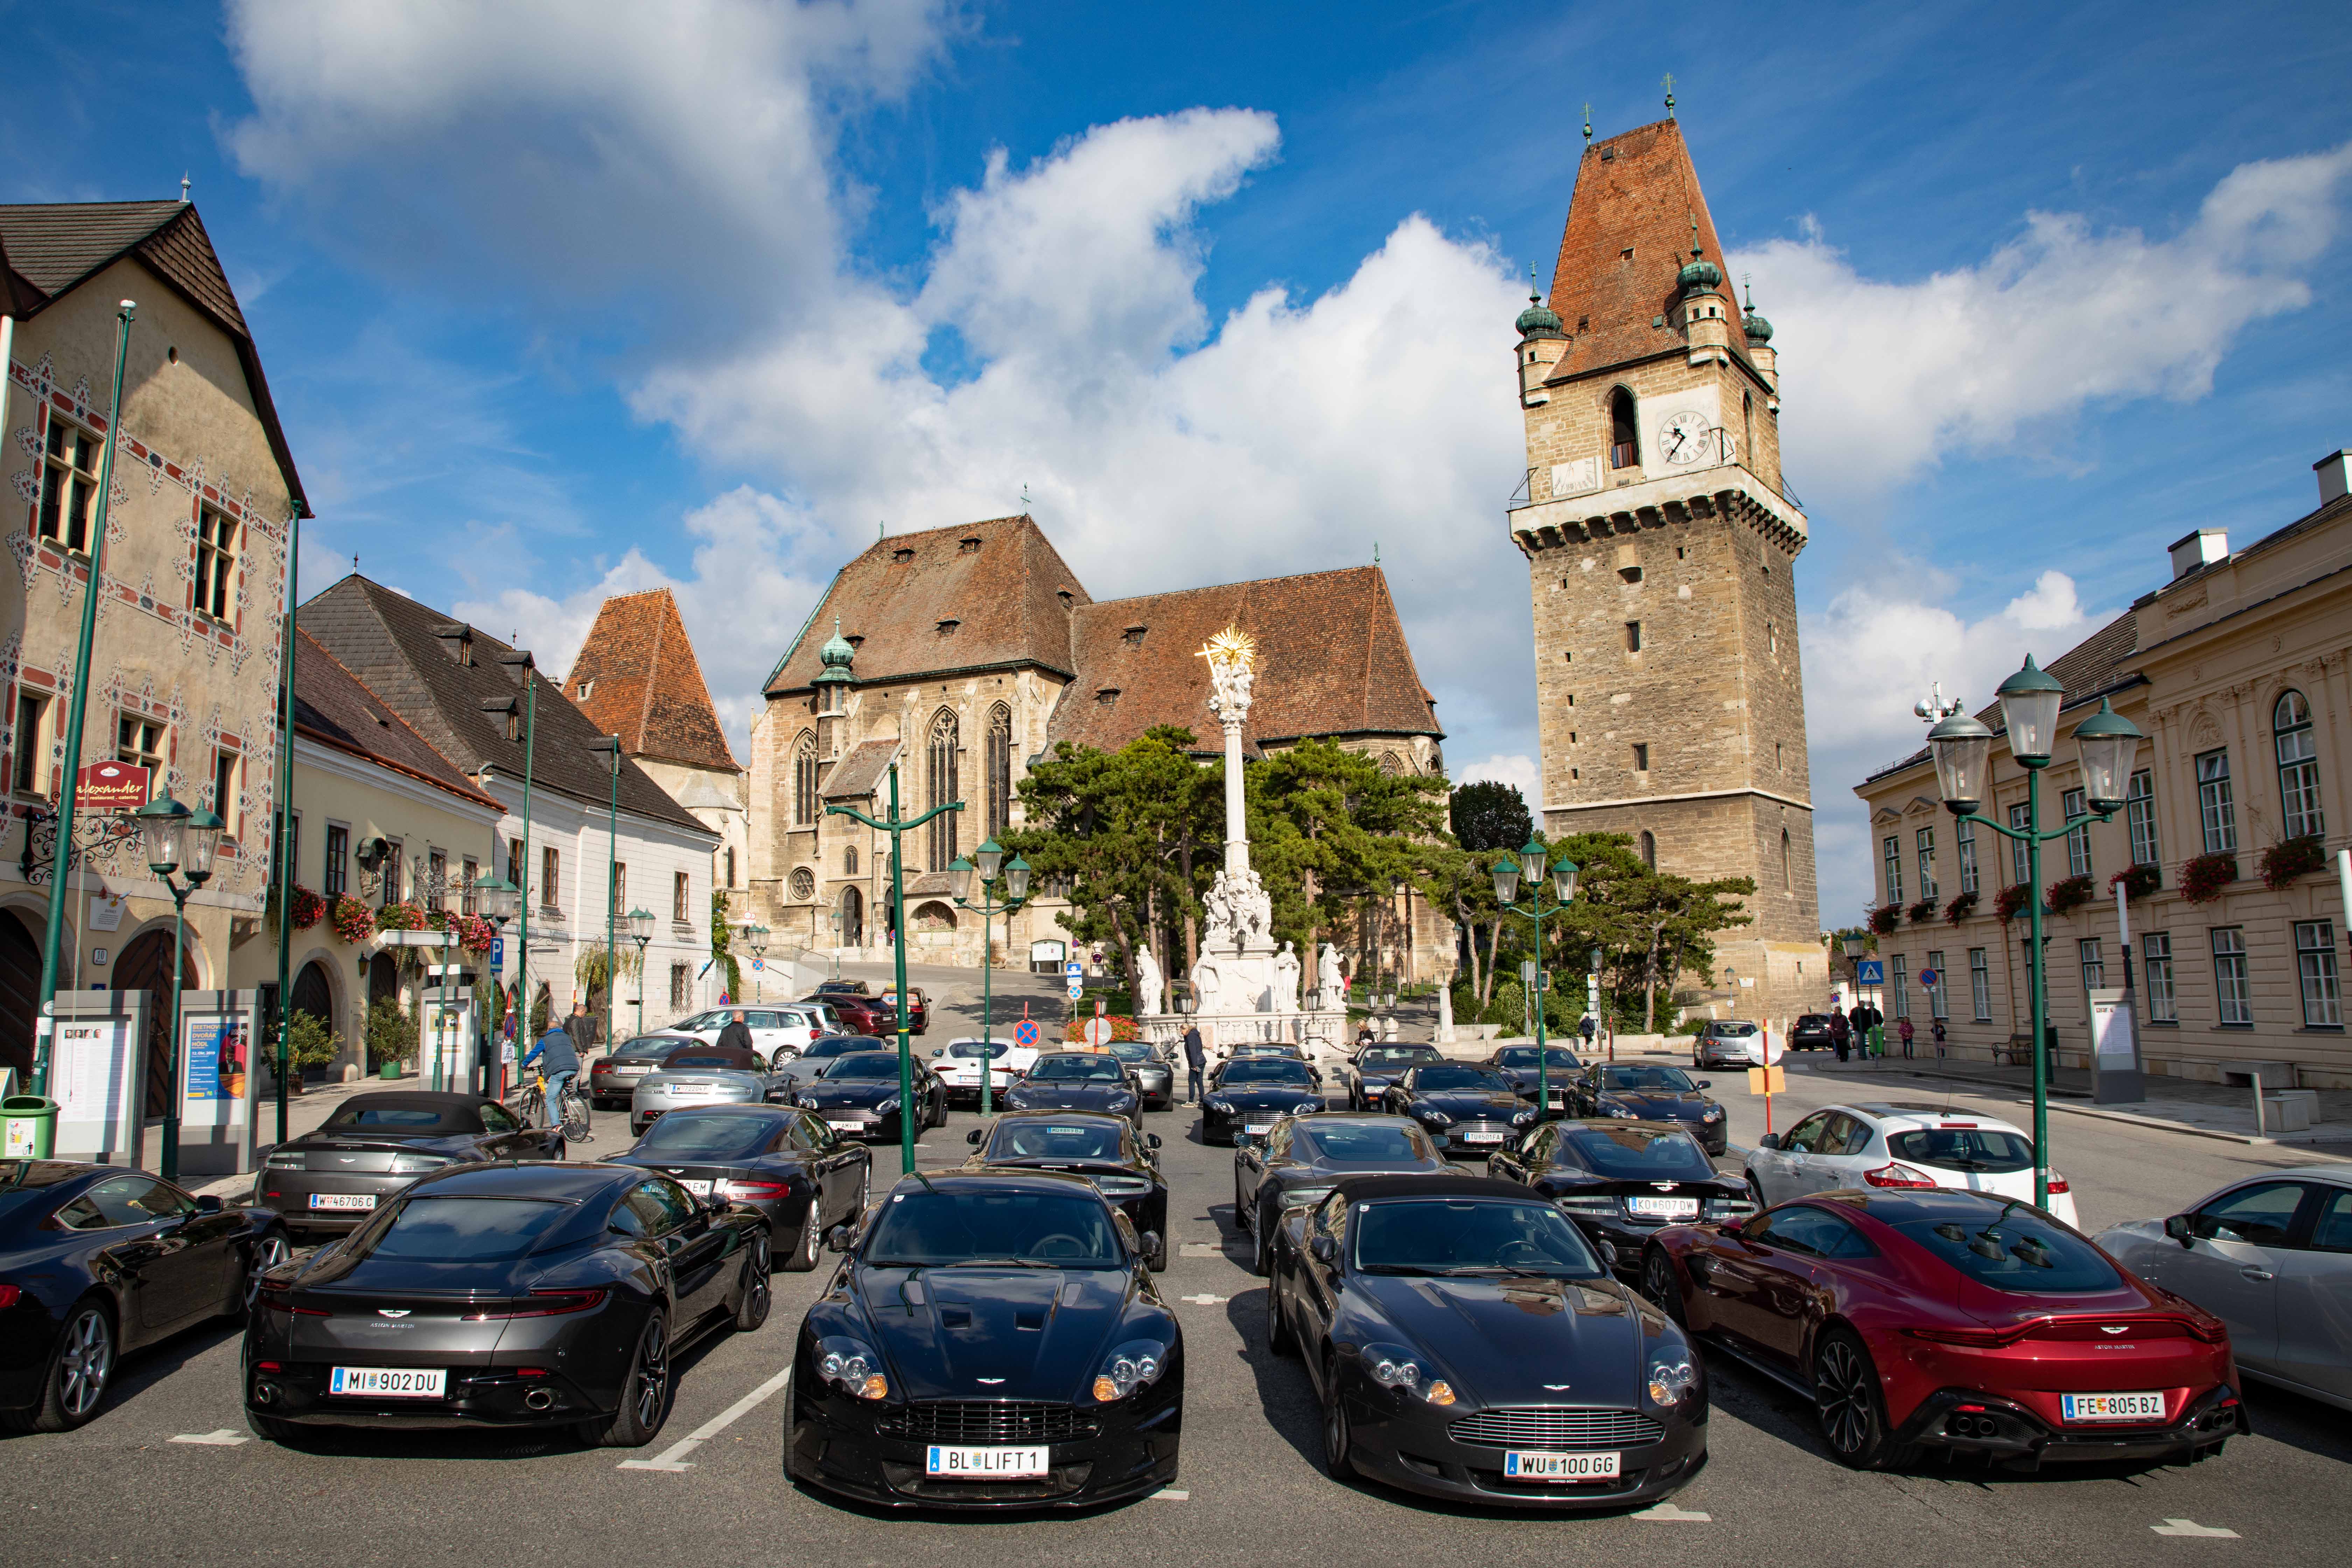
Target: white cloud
x=1884, y=379
x=1517, y=769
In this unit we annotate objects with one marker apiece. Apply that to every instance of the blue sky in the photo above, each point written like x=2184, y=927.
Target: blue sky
x=559, y=300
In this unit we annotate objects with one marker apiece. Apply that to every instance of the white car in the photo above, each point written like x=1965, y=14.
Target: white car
x=957, y=1063
x=1881, y=1145
x=778, y=1034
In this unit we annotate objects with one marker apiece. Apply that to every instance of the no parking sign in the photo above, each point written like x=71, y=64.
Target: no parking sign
x=1024, y=1033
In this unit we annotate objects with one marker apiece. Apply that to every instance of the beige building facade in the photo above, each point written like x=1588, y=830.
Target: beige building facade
x=2236, y=670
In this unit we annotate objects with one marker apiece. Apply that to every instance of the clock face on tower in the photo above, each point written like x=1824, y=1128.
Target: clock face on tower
x=1686, y=437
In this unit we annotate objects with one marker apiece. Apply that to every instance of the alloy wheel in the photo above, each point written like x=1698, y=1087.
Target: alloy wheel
x=804, y=1254
x=1338, y=1438
x=755, y=1306
x=1658, y=1285
x=268, y=1253
x=86, y=1363
x=1842, y=1391
x=653, y=1373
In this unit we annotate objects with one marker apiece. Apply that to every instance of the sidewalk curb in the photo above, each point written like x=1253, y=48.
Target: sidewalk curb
x=2100, y=1113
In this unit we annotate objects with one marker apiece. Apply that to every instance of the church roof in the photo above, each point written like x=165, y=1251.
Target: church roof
x=335, y=708
x=637, y=677
x=1628, y=236
x=973, y=595
x=50, y=248
x=1331, y=654
x=860, y=775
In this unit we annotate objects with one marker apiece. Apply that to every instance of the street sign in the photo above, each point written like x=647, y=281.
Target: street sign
x=110, y=786
x=1870, y=972
x=1773, y=1079
x=1097, y=1032
x=1926, y=980
x=758, y=964
x=497, y=954
x=1101, y=1006
x=1076, y=990
x=1024, y=1033
x=1072, y=967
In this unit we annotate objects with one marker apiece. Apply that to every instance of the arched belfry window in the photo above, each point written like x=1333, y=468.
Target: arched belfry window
x=2298, y=765
x=805, y=805
x=1788, y=863
x=939, y=774
x=1624, y=438
x=1000, y=769
x=1747, y=427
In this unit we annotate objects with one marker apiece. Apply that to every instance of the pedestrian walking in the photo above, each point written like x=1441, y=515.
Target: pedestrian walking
x=737, y=1034
x=582, y=1027
x=1841, y=1035
x=1196, y=1062
x=1587, y=1027
x=1938, y=1029
x=1903, y=1028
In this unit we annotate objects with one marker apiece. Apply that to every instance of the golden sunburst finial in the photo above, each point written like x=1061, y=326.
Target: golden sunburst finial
x=1231, y=647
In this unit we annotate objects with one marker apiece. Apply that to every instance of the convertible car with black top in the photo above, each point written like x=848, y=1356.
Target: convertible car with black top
x=1639, y=1091
x=1465, y=1107
x=1247, y=1095
x=333, y=1178
x=1304, y=1157
x=506, y=1295
x=993, y=1340
x=1107, y=1150
x=1464, y=1342
x=1077, y=1080
x=1622, y=1182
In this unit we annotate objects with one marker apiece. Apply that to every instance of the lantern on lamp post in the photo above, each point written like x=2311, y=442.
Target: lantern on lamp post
x=1509, y=873
x=995, y=874
x=180, y=844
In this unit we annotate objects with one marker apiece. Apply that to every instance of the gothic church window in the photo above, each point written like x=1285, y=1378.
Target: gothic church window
x=941, y=780
x=1000, y=769
x=805, y=806
x=849, y=862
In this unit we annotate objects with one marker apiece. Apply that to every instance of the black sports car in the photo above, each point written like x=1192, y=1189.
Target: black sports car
x=374, y=1144
x=1154, y=1075
x=1305, y=1156
x=1622, y=1182
x=1462, y=1106
x=1518, y=1063
x=503, y=1295
x=1106, y=1148
x=1464, y=1342
x=1635, y=1092
x=1077, y=1080
x=819, y=1054
x=1247, y=1095
x=96, y=1260
x=858, y=1095
x=613, y=1079
x=1374, y=1067
x=801, y=1176
x=993, y=1340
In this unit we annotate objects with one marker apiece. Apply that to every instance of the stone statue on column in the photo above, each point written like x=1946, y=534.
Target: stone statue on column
x=1148, y=982
x=1285, y=980
x=1207, y=985
x=1328, y=979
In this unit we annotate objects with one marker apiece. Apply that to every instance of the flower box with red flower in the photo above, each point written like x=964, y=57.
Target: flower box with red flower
x=1885, y=919
x=2071, y=893
x=2010, y=902
x=1962, y=906
x=2208, y=876
x=2288, y=858
x=2137, y=882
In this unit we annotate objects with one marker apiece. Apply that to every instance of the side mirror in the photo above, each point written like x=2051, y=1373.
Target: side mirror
x=1152, y=1138
x=1707, y=1083
x=207, y=1203
x=1325, y=1250
x=1148, y=1243
x=935, y=1050
x=2176, y=1228
x=1769, y=1141
x=973, y=1137
x=838, y=1239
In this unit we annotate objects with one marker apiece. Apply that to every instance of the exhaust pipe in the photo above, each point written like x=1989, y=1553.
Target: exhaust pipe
x=264, y=1393
x=539, y=1399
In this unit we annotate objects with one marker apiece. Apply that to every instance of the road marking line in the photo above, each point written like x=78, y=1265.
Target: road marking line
x=1203, y=1249
x=668, y=1459
x=1169, y=1494
x=1667, y=1513
x=1203, y=1299
x=222, y=1438
x=2191, y=1527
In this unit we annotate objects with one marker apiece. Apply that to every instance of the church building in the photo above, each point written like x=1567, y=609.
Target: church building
x=1662, y=542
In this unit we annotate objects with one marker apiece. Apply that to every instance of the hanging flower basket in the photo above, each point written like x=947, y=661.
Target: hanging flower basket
x=1922, y=911
x=2291, y=857
x=2010, y=902
x=1884, y=918
x=308, y=909
x=2071, y=893
x=2137, y=882
x=400, y=917
x=2205, y=878
x=475, y=935
x=1961, y=907
x=353, y=921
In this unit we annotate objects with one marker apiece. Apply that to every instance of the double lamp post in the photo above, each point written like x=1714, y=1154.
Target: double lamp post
x=1509, y=873
x=179, y=844
x=1014, y=884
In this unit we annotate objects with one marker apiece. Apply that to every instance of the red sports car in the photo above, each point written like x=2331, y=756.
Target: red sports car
x=1919, y=1320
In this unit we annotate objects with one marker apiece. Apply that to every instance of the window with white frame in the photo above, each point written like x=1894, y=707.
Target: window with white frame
x=226, y=764
x=2156, y=972
x=550, y=878
x=2234, y=1002
x=2314, y=966
x=395, y=865
x=2094, y=960
x=1926, y=846
x=619, y=889
x=1967, y=834
x=1938, y=1002
x=2299, y=766
x=1980, y=986
x=2078, y=836
x=216, y=537
x=140, y=742
x=2216, y=813
x=2140, y=815
x=678, y=890
x=69, y=484
x=2017, y=860
x=437, y=879
x=1894, y=851
x=1897, y=982
x=469, y=898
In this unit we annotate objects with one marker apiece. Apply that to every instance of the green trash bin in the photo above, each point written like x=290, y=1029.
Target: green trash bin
x=389, y=1069
x=28, y=1127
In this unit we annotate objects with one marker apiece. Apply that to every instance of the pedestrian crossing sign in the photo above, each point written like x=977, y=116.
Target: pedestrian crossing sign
x=1870, y=972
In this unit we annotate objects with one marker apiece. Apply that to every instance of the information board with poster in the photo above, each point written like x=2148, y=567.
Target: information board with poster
x=94, y=1071
x=445, y=1056
x=2115, y=1048
x=217, y=1029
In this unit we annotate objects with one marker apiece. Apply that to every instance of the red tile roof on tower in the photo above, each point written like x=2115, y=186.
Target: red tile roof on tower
x=637, y=677
x=1628, y=234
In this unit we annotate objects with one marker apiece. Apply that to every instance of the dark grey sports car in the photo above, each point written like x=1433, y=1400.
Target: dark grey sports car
x=1108, y=1150
x=1305, y=1156
x=1077, y=1080
x=1638, y=1091
x=1154, y=1075
x=613, y=1079
x=1247, y=1095
x=1374, y=1067
x=1462, y=1106
x=1623, y=1181
x=857, y=1097
x=375, y=1144
x=1518, y=1064
x=801, y=1175
x=1464, y=1342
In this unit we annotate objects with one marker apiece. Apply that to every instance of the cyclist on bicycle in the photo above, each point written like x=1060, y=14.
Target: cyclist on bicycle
x=562, y=1064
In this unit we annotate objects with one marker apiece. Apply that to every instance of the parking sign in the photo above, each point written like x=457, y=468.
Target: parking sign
x=497, y=954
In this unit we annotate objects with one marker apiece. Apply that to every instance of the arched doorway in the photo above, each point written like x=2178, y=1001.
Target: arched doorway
x=853, y=917
x=145, y=965
x=314, y=993
x=20, y=993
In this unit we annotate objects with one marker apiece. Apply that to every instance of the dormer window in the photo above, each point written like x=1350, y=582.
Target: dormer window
x=586, y=688
x=1068, y=599
x=1133, y=636
x=506, y=713
x=902, y=556
x=456, y=641
x=1108, y=697
x=967, y=546
x=518, y=664
x=947, y=627
x=855, y=640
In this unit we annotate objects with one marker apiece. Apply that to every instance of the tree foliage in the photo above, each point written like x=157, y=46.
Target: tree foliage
x=1490, y=815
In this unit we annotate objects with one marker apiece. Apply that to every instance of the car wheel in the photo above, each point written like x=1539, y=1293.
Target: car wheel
x=1339, y=1436
x=1278, y=1337
x=1260, y=1258
x=644, y=1393
x=75, y=1383
x=1158, y=1260
x=1659, y=1284
x=268, y=1253
x=804, y=1257
x=1755, y=1192
x=1853, y=1414
x=754, y=1294
x=865, y=1191
x=1241, y=1209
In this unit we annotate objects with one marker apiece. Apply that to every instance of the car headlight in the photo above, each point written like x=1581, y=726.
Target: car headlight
x=852, y=1366
x=1300, y=1197
x=1122, y=1103
x=1712, y=1113
x=1132, y=1365
x=1393, y=1366
x=886, y=1105
x=806, y=1103
x=1672, y=1378
x=1306, y=1108
x=1433, y=1116
x=1222, y=1107
x=1521, y=1118
x=406, y=1164
x=1613, y=1108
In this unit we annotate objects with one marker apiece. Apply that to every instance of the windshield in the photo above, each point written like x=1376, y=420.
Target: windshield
x=1638, y=1154
x=1054, y=1141
x=1665, y=1079
x=940, y=1230
x=1395, y=1055
x=692, y=1135
x=1525, y=1056
x=430, y=1229
x=1265, y=1069
x=1133, y=1051
x=975, y=1049
x=1963, y=1149
x=864, y=1064
x=1458, y=1077
x=401, y=1119
x=2018, y=1250
x=1731, y=1031
x=841, y=1044
x=1361, y=1145
x=1471, y=1236
x=1076, y=1069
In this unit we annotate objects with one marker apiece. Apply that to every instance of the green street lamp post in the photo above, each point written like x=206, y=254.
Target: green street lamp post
x=988, y=860
x=1507, y=874
x=609, y=746
x=895, y=828
x=641, y=932
x=499, y=898
x=2106, y=743
x=178, y=841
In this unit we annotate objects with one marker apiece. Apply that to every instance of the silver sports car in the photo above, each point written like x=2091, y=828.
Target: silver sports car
x=682, y=1081
x=2270, y=1256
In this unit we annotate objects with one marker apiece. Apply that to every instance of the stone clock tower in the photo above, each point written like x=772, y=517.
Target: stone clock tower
x=1661, y=547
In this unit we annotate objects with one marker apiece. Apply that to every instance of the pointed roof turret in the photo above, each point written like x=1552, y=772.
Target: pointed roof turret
x=638, y=678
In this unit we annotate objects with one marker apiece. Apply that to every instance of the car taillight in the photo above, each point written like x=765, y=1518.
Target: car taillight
x=752, y=1192
x=2057, y=1183
x=543, y=1304
x=2213, y=1331
x=280, y=1298
x=1975, y=1338
x=1898, y=1174
x=10, y=1295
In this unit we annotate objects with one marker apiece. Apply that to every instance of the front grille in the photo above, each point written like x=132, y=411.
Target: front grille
x=1557, y=1426
x=985, y=1421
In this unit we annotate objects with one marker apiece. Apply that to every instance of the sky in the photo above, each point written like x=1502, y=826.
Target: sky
x=562, y=300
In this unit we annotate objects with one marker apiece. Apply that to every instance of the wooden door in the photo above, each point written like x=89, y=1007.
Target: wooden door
x=146, y=965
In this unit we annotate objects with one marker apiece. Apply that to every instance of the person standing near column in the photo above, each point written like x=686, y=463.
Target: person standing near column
x=1196, y=1060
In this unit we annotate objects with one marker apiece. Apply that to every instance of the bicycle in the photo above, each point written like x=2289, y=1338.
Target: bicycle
x=571, y=1108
